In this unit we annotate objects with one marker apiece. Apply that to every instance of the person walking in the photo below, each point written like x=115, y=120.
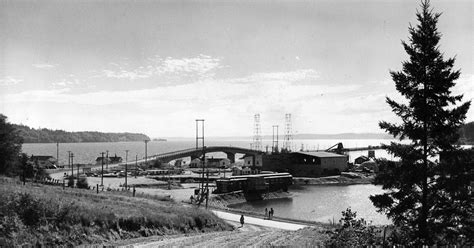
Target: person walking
x=266, y=214
x=242, y=220
x=271, y=213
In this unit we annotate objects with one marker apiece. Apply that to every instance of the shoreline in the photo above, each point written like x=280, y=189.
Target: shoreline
x=225, y=202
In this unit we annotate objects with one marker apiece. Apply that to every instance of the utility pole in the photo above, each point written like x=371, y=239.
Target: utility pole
x=275, y=142
x=102, y=174
x=107, y=160
x=69, y=159
x=72, y=164
x=57, y=153
x=204, y=190
x=146, y=152
x=126, y=161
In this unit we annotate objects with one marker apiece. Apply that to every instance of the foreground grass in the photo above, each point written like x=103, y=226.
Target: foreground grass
x=44, y=215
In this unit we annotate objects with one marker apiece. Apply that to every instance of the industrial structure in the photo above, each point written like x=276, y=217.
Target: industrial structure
x=257, y=138
x=301, y=164
x=288, y=137
x=255, y=185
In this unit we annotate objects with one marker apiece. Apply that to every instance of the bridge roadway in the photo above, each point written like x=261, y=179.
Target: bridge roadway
x=230, y=151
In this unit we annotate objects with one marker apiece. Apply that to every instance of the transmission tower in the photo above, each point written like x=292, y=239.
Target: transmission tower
x=288, y=138
x=257, y=138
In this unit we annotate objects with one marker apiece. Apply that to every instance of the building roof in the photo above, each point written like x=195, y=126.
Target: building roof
x=322, y=154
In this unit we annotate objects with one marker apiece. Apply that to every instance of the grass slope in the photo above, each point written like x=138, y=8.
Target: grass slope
x=44, y=215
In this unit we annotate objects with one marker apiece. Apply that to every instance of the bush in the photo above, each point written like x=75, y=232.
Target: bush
x=354, y=232
x=70, y=181
x=82, y=183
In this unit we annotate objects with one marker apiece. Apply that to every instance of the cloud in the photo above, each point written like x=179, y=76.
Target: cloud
x=7, y=81
x=302, y=75
x=44, y=66
x=465, y=86
x=202, y=66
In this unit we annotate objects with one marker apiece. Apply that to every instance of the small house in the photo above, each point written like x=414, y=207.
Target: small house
x=115, y=159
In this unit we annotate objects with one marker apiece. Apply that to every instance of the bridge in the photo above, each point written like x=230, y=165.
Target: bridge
x=230, y=151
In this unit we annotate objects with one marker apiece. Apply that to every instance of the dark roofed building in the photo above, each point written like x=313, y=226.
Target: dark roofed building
x=115, y=159
x=306, y=164
x=361, y=159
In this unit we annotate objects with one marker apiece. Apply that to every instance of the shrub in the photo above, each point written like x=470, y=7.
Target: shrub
x=82, y=183
x=70, y=181
x=354, y=232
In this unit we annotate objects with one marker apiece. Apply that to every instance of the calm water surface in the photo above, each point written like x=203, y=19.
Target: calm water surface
x=85, y=153
x=323, y=203
x=317, y=203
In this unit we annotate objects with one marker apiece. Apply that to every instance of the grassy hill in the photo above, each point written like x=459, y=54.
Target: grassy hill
x=50, y=216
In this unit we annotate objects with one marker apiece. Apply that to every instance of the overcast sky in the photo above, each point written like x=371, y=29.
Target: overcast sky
x=155, y=66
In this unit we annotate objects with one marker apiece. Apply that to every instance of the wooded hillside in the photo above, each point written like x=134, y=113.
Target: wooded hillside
x=43, y=135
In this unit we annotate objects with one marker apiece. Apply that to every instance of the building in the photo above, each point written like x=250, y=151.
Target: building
x=217, y=162
x=195, y=163
x=98, y=160
x=210, y=163
x=45, y=162
x=306, y=164
x=115, y=159
x=257, y=183
x=252, y=160
x=238, y=171
x=361, y=159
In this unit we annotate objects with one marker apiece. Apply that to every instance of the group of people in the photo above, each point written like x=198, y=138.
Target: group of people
x=269, y=214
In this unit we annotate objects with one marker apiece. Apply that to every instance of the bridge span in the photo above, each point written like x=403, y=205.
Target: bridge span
x=230, y=151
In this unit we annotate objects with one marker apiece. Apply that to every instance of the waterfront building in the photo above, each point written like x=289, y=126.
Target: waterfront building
x=306, y=164
x=252, y=160
x=361, y=159
x=217, y=162
x=195, y=163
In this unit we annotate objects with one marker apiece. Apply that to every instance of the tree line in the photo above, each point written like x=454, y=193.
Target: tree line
x=43, y=135
x=467, y=133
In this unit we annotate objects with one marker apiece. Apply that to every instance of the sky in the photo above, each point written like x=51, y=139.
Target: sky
x=154, y=67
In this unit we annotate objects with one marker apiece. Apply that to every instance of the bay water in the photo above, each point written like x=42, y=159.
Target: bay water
x=322, y=203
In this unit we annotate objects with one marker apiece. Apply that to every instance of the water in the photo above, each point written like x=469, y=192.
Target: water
x=323, y=203
x=317, y=203
x=85, y=153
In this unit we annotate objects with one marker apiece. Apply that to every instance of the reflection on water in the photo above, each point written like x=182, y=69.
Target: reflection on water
x=323, y=203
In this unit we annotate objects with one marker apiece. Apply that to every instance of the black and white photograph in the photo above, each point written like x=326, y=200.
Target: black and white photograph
x=236, y=123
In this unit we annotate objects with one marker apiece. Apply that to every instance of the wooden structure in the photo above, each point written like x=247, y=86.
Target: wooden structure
x=258, y=183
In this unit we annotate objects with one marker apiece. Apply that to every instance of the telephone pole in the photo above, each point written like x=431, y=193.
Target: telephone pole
x=57, y=153
x=126, y=161
x=107, y=160
x=69, y=159
x=102, y=174
x=275, y=141
x=146, y=152
x=136, y=165
x=72, y=164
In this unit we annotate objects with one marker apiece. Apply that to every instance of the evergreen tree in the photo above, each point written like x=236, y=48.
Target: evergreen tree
x=10, y=147
x=430, y=120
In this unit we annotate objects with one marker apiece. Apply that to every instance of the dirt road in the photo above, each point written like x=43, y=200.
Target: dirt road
x=247, y=236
